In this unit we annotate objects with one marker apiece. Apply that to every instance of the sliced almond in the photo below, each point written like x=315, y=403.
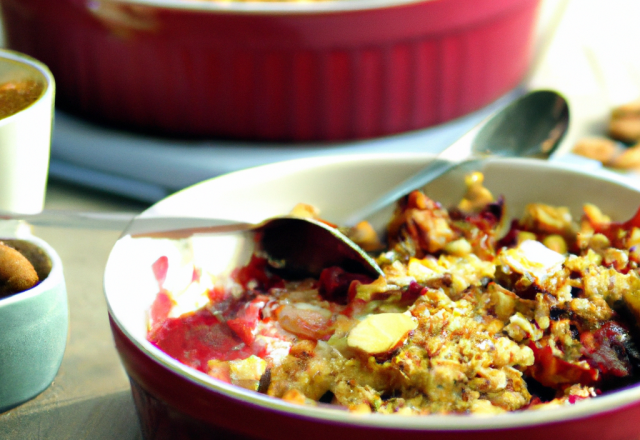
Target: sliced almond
x=381, y=333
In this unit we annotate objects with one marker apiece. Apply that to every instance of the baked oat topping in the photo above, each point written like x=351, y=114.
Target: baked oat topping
x=467, y=319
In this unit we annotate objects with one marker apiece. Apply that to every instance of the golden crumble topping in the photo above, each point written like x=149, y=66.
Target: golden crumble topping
x=467, y=319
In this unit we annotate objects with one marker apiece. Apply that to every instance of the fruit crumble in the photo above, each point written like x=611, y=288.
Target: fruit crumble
x=475, y=314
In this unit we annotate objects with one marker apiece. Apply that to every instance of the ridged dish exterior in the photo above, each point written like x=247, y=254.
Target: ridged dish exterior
x=329, y=75
x=170, y=407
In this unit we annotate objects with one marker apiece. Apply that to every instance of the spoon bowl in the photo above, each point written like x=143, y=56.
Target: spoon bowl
x=295, y=247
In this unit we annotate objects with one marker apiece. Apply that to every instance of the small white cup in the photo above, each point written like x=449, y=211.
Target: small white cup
x=25, y=137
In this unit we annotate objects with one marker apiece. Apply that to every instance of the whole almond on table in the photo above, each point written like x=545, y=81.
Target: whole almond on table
x=624, y=124
x=629, y=159
x=597, y=148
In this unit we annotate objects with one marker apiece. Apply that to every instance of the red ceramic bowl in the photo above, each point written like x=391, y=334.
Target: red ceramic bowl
x=177, y=402
x=329, y=70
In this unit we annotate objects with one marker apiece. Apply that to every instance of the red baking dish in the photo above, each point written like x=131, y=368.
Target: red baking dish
x=175, y=401
x=285, y=71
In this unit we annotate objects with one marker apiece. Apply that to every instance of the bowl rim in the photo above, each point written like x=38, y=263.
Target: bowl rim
x=450, y=423
x=261, y=7
x=52, y=281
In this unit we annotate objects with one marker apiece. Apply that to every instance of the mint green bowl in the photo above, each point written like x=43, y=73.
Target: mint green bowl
x=33, y=333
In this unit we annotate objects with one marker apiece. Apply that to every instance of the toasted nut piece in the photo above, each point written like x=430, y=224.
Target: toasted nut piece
x=629, y=159
x=459, y=247
x=616, y=258
x=305, y=320
x=294, y=396
x=365, y=236
x=304, y=210
x=16, y=272
x=477, y=196
x=629, y=109
x=32, y=252
x=625, y=129
x=556, y=243
x=599, y=242
x=624, y=124
x=303, y=348
x=381, y=333
x=532, y=259
x=246, y=373
x=219, y=370
x=360, y=408
x=594, y=214
x=598, y=148
x=524, y=236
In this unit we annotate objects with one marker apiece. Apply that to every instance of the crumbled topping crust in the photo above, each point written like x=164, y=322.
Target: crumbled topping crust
x=467, y=319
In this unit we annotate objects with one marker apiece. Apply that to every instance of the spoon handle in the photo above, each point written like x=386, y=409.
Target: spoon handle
x=131, y=224
x=446, y=160
x=532, y=125
x=437, y=168
x=178, y=227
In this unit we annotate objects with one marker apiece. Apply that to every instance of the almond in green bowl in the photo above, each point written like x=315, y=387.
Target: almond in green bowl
x=34, y=318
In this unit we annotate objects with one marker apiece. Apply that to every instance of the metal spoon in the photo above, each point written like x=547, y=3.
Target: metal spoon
x=530, y=126
x=297, y=247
